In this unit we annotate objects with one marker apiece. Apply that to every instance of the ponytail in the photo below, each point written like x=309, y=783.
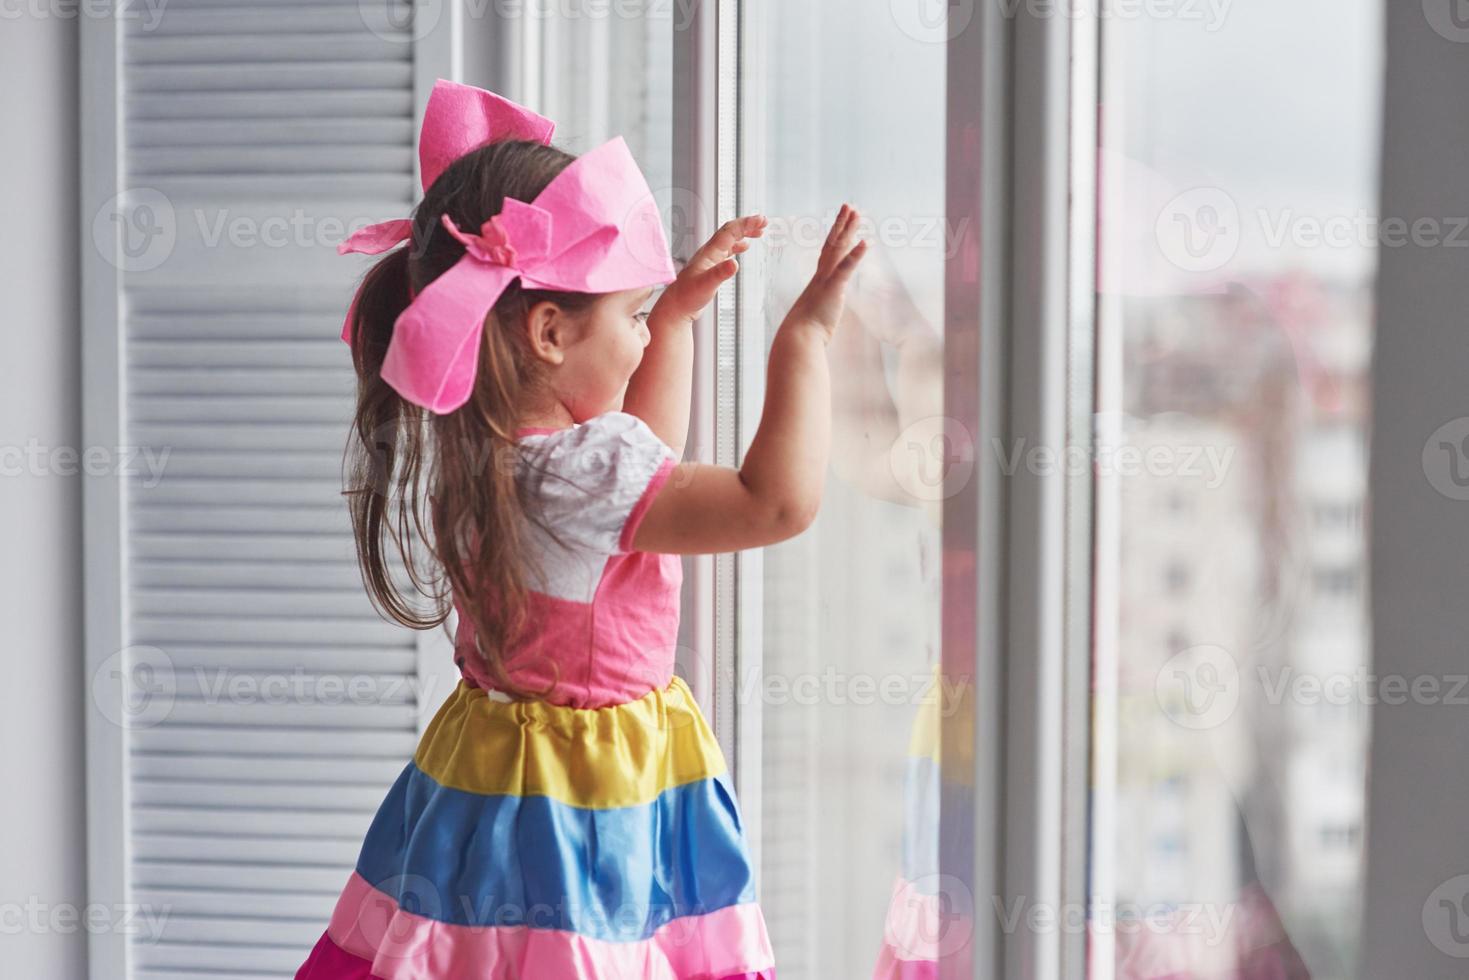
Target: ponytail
x=385, y=453
x=383, y=295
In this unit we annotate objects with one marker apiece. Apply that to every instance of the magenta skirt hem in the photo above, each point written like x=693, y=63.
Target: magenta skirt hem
x=328, y=961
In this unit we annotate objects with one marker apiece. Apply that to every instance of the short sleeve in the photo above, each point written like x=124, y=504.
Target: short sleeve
x=596, y=480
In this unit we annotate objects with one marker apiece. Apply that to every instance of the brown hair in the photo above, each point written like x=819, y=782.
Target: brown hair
x=402, y=458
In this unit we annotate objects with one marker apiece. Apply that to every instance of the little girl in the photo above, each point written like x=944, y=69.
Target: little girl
x=568, y=814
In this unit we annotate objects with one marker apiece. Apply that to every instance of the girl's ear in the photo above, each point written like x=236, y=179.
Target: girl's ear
x=550, y=329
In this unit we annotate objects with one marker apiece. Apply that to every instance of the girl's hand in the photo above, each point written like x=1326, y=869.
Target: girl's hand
x=821, y=302
x=882, y=303
x=698, y=281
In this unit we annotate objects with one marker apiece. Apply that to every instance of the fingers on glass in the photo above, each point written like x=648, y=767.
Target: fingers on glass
x=840, y=242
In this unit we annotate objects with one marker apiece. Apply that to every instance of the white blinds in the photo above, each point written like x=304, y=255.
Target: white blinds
x=282, y=705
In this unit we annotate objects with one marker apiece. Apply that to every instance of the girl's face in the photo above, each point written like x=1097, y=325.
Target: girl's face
x=605, y=347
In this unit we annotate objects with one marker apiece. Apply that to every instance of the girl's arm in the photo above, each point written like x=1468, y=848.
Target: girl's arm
x=660, y=390
x=776, y=492
x=872, y=417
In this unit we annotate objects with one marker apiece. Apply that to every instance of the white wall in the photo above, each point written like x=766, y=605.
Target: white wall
x=42, y=687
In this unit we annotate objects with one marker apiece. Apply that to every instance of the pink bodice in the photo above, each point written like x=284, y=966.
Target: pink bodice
x=604, y=623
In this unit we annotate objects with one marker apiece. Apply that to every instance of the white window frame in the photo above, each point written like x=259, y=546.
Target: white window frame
x=1020, y=159
x=722, y=599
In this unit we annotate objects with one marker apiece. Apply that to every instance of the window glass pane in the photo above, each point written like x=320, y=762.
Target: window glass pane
x=1238, y=231
x=845, y=102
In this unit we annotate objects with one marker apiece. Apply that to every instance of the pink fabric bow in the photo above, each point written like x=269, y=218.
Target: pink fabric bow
x=458, y=119
x=594, y=229
x=492, y=244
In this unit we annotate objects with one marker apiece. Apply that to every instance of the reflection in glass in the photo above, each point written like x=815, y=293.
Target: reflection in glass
x=1231, y=724
x=853, y=110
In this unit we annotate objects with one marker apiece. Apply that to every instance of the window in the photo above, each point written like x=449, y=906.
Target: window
x=846, y=106
x=1113, y=238
x=1236, y=267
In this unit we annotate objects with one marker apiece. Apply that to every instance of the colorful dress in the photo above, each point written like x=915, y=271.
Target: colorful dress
x=591, y=834
x=920, y=915
x=924, y=921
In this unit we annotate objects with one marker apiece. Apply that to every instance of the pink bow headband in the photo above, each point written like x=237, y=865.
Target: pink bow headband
x=594, y=229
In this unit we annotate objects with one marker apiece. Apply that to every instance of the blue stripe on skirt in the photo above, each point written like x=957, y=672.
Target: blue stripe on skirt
x=612, y=874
